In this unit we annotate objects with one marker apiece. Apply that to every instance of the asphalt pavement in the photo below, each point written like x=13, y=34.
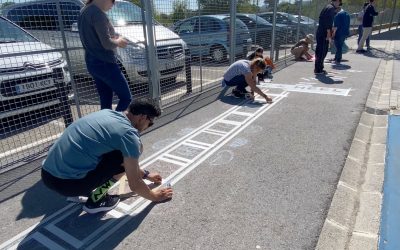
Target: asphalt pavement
x=246, y=175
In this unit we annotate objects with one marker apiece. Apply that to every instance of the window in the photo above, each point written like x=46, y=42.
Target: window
x=186, y=27
x=70, y=13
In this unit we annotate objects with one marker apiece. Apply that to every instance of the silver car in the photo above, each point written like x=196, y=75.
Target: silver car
x=127, y=20
x=33, y=82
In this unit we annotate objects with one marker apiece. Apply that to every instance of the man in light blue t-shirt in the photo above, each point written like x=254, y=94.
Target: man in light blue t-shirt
x=95, y=151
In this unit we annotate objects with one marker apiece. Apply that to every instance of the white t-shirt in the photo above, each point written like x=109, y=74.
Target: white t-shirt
x=360, y=17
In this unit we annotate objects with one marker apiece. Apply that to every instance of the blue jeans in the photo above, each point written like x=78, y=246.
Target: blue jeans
x=238, y=81
x=109, y=79
x=339, y=41
x=360, y=32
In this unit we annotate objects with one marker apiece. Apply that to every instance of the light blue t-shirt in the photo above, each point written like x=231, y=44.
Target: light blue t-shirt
x=241, y=67
x=82, y=144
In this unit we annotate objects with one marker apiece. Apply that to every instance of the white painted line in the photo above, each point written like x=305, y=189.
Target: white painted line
x=114, y=213
x=64, y=235
x=195, y=145
x=28, y=146
x=200, y=143
x=19, y=237
x=343, y=184
x=178, y=158
x=214, y=132
x=334, y=223
x=172, y=161
x=230, y=122
x=46, y=241
x=242, y=113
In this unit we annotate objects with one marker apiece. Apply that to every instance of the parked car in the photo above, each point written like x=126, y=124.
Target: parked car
x=209, y=35
x=33, y=81
x=40, y=17
x=305, y=27
x=261, y=30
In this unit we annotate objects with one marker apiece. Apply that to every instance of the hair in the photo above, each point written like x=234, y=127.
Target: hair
x=259, y=50
x=258, y=62
x=88, y=2
x=144, y=106
x=365, y=4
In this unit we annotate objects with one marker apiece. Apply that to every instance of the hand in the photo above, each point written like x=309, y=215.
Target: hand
x=121, y=42
x=268, y=99
x=155, y=178
x=162, y=194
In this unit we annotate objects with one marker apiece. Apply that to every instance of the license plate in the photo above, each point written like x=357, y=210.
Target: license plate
x=30, y=86
x=172, y=65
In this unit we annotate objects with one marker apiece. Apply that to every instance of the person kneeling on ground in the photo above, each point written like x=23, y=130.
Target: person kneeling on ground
x=243, y=73
x=300, y=49
x=95, y=151
x=258, y=53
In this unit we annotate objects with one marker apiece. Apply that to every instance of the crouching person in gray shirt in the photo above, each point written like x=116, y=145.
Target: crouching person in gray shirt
x=243, y=73
x=100, y=41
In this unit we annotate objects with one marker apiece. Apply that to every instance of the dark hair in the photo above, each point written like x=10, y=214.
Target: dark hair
x=259, y=50
x=144, y=107
x=88, y=2
x=259, y=62
x=365, y=4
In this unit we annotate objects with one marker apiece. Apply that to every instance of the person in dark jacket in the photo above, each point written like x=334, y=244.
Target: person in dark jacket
x=368, y=20
x=324, y=35
x=341, y=30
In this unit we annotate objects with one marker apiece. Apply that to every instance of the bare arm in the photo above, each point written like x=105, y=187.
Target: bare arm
x=252, y=84
x=134, y=175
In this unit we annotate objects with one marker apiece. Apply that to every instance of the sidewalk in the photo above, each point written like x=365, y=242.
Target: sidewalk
x=354, y=220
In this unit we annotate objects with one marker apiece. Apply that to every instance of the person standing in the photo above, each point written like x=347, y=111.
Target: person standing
x=95, y=151
x=324, y=35
x=100, y=41
x=368, y=20
x=341, y=30
x=360, y=26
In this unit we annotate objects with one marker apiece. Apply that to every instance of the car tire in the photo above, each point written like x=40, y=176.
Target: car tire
x=218, y=54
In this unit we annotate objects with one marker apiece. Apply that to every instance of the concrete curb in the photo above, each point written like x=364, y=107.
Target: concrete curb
x=353, y=219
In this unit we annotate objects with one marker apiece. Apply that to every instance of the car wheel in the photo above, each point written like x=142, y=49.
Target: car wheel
x=218, y=54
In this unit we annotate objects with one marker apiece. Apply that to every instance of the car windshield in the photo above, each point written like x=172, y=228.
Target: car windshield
x=293, y=18
x=239, y=24
x=10, y=33
x=124, y=13
x=260, y=20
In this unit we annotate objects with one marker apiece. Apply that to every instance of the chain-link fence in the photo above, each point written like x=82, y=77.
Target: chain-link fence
x=176, y=49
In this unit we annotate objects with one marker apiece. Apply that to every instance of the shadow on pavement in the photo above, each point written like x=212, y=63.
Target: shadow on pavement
x=69, y=219
x=341, y=66
x=379, y=53
x=327, y=79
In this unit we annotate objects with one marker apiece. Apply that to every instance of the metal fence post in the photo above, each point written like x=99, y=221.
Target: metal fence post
x=382, y=17
x=232, y=29
x=152, y=65
x=393, y=11
x=298, y=19
x=65, y=47
x=273, y=33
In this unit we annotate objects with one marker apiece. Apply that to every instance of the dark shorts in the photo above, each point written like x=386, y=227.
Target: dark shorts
x=109, y=166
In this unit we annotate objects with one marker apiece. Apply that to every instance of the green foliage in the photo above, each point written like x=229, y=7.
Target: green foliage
x=6, y=4
x=180, y=9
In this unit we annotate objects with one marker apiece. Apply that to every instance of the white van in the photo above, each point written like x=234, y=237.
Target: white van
x=41, y=18
x=33, y=81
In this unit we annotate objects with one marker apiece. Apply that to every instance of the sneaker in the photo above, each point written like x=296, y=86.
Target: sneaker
x=238, y=94
x=107, y=203
x=361, y=51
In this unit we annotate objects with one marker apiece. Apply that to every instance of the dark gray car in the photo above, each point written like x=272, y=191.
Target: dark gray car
x=261, y=30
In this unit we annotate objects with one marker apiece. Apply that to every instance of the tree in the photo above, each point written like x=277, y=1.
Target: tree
x=223, y=6
x=6, y=4
x=179, y=10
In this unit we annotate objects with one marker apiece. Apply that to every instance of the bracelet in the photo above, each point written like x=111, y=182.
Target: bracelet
x=146, y=174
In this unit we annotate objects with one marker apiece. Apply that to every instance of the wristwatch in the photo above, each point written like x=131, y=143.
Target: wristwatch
x=146, y=174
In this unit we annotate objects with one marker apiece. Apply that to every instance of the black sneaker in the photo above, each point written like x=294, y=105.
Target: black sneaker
x=238, y=94
x=361, y=51
x=107, y=203
x=322, y=72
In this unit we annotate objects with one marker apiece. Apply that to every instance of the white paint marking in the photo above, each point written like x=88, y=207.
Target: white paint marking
x=242, y=113
x=172, y=161
x=200, y=143
x=214, y=132
x=64, y=235
x=46, y=241
x=308, y=89
x=195, y=145
x=175, y=157
x=334, y=223
x=230, y=122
